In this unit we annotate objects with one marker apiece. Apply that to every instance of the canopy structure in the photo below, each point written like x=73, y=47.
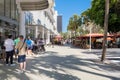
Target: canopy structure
x=58, y=36
x=109, y=38
x=94, y=35
x=29, y=5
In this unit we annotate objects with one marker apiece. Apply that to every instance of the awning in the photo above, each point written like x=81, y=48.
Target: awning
x=6, y=19
x=109, y=38
x=101, y=39
x=94, y=35
x=29, y=5
x=58, y=36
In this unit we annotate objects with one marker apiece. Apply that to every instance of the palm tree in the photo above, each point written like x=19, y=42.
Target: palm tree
x=74, y=23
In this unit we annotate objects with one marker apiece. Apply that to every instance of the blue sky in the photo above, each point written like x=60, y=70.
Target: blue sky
x=68, y=8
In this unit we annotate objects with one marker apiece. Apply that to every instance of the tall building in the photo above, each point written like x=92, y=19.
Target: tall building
x=59, y=23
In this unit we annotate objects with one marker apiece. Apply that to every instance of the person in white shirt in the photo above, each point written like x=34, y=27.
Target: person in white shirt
x=41, y=44
x=9, y=48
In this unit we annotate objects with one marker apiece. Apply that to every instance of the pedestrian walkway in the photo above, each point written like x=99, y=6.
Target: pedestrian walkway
x=62, y=63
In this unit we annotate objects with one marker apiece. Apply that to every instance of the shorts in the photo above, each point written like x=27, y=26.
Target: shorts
x=30, y=48
x=21, y=58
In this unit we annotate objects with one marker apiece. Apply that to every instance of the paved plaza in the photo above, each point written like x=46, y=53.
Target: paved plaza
x=66, y=63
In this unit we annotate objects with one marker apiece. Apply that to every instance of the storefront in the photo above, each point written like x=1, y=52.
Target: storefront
x=8, y=19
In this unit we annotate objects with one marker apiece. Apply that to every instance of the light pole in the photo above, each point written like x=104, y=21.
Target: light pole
x=90, y=38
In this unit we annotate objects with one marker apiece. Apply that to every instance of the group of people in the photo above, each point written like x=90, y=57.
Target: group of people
x=10, y=48
x=20, y=47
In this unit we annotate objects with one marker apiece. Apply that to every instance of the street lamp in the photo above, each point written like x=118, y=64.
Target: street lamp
x=90, y=38
x=90, y=25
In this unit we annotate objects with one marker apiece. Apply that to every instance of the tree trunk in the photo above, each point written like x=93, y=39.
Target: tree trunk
x=105, y=30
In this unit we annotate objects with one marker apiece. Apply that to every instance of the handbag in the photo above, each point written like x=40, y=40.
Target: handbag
x=22, y=45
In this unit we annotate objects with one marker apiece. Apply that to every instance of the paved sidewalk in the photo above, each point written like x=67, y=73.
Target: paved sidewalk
x=63, y=63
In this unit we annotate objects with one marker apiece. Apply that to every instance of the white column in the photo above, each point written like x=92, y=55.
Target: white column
x=48, y=38
x=90, y=38
x=91, y=24
x=43, y=32
x=22, y=29
x=36, y=31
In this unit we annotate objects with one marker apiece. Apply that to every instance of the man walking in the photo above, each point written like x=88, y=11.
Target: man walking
x=9, y=48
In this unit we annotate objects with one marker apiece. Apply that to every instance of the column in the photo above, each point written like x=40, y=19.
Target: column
x=36, y=31
x=22, y=30
x=43, y=32
x=48, y=37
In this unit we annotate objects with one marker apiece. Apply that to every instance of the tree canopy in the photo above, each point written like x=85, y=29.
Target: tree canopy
x=97, y=12
x=74, y=23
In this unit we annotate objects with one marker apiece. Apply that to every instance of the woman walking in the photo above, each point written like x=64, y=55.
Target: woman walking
x=21, y=46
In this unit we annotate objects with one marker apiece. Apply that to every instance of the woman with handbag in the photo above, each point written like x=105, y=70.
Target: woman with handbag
x=21, y=46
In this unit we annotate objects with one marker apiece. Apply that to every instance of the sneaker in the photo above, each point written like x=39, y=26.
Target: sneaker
x=26, y=71
x=12, y=64
x=19, y=71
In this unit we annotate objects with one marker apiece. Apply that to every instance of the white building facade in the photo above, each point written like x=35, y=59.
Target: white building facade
x=44, y=19
x=45, y=24
x=30, y=5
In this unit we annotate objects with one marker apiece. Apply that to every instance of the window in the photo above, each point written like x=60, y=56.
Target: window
x=2, y=7
x=13, y=9
x=7, y=8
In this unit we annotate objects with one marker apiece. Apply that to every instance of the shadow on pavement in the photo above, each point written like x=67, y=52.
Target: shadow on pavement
x=50, y=65
x=55, y=66
x=111, y=55
x=10, y=73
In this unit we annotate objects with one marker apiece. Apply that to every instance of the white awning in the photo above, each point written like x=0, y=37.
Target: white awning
x=29, y=5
